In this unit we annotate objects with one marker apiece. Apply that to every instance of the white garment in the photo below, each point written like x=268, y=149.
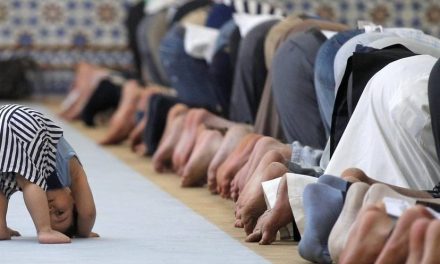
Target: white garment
x=199, y=41
x=389, y=135
x=246, y=22
x=155, y=6
x=411, y=44
x=340, y=62
x=328, y=33
x=296, y=184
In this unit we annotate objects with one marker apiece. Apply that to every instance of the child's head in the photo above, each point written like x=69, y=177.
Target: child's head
x=62, y=211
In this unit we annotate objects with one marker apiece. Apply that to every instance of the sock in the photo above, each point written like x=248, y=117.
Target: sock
x=335, y=182
x=322, y=206
x=106, y=96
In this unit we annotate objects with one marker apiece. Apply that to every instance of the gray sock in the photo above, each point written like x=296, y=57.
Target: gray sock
x=335, y=182
x=322, y=206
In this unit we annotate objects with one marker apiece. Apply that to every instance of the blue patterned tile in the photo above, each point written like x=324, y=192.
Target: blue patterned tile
x=87, y=22
x=399, y=6
x=71, y=5
x=33, y=4
x=25, y=39
x=398, y=22
x=99, y=32
x=80, y=40
x=6, y=32
x=44, y=32
x=416, y=6
x=71, y=22
x=116, y=33
x=360, y=6
x=61, y=32
x=33, y=20
x=17, y=21
x=88, y=5
x=343, y=5
x=416, y=22
x=306, y=5
x=16, y=4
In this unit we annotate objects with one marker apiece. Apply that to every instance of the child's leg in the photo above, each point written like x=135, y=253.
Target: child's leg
x=4, y=232
x=36, y=203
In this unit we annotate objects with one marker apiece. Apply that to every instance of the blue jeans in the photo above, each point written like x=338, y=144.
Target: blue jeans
x=189, y=76
x=324, y=75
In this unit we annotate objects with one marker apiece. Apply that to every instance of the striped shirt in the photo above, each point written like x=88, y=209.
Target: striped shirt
x=28, y=143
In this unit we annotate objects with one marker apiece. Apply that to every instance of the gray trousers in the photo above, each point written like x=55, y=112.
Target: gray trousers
x=293, y=88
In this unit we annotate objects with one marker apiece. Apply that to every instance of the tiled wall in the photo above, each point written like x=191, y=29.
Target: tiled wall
x=59, y=33
x=421, y=14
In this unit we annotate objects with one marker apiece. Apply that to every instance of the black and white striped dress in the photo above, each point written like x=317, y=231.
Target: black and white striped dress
x=28, y=144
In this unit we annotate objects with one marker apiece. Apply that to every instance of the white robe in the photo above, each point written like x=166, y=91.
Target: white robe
x=389, y=135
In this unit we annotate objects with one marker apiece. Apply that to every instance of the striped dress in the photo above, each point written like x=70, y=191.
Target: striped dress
x=28, y=143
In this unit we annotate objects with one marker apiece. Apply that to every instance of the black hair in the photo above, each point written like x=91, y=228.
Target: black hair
x=72, y=231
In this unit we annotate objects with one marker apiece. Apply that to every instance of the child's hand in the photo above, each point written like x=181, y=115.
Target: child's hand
x=93, y=234
x=7, y=233
x=13, y=233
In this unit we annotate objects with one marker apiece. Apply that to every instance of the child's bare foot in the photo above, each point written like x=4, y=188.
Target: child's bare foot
x=123, y=120
x=173, y=131
x=230, y=141
x=273, y=220
x=233, y=163
x=52, y=237
x=207, y=144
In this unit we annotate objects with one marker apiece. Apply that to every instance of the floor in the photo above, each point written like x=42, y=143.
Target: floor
x=142, y=217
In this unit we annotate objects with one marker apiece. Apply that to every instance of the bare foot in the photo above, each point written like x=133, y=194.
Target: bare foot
x=135, y=137
x=431, y=244
x=123, y=120
x=87, y=79
x=353, y=203
x=263, y=146
x=250, y=205
x=231, y=140
x=237, y=159
x=140, y=149
x=368, y=235
x=52, y=237
x=173, y=130
x=239, y=179
x=207, y=144
x=194, y=118
x=397, y=247
x=280, y=216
